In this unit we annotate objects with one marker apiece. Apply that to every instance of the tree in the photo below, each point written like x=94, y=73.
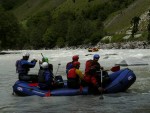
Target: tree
x=9, y=29
x=135, y=22
x=49, y=39
x=60, y=42
x=37, y=26
x=78, y=31
x=148, y=28
x=97, y=33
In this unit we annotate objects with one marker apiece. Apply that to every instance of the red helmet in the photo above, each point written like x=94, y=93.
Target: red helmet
x=76, y=63
x=75, y=58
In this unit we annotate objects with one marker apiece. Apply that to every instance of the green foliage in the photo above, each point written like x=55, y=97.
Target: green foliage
x=62, y=22
x=9, y=29
x=96, y=37
x=118, y=38
x=10, y=4
x=78, y=31
x=60, y=42
x=37, y=26
x=65, y=22
x=49, y=39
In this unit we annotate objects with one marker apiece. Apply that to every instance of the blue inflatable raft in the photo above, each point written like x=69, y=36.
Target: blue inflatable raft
x=121, y=81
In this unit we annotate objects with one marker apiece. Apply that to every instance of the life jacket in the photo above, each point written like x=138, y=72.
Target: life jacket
x=20, y=68
x=72, y=74
x=69, y=66
x=50, y=66
x=42, y=74
x=91, y=67
x=41, y=77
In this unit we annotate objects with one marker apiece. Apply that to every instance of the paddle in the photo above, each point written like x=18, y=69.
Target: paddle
x=57, y=69
x=101, y=97
x=88, y=54
x=113, y=69
x=42, y=55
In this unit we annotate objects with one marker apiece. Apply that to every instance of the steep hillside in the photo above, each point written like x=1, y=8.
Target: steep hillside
x=78, y=6
x=61, y=23
x=31, y=7
x=117, y=22
x=120, y=21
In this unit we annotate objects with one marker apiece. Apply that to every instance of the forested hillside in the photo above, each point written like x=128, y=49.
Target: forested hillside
x=37, y=24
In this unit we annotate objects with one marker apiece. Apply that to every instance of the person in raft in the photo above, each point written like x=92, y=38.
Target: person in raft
x=23, y=67
x=45, y=77
x=92, y=75
x=74, y=76
x=70, y=64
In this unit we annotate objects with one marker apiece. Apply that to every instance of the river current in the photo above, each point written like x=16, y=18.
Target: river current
x=135, y=100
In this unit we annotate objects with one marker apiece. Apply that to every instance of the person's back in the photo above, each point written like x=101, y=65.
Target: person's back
x=23, y=66
x=45, y=77
x=74, y=76
x=70, y=64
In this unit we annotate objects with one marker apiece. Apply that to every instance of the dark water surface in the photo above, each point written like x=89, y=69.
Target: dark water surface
x=135, y=100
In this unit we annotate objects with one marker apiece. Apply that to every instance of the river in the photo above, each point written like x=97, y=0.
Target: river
x=135, y=100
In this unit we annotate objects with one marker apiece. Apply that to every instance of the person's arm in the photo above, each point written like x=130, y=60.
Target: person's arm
x=28, y=64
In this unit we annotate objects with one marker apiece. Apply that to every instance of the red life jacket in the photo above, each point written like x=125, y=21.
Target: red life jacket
x=72, y=73
x=90, y=64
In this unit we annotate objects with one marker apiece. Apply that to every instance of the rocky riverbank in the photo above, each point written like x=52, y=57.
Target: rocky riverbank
x=125, y=45
x=121, y=45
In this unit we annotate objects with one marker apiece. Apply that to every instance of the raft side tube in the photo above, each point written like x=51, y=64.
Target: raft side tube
x=124, y=80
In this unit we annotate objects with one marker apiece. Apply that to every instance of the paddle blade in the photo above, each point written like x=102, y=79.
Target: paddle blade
x=48, y=94
x=115, y=68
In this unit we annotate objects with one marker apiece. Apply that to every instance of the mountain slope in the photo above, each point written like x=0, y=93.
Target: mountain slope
x=31, y=7
x=120, y=21
x=117, y=22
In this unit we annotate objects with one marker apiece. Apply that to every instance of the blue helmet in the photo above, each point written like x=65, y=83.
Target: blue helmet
x=96, y=56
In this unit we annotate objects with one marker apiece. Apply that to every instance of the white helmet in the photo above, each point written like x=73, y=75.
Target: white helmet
x=44, y=65
x=26, y=54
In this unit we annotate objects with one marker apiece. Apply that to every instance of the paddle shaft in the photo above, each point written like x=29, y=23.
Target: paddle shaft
x=101, y=97
x=57, y=69
x=42, y=55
